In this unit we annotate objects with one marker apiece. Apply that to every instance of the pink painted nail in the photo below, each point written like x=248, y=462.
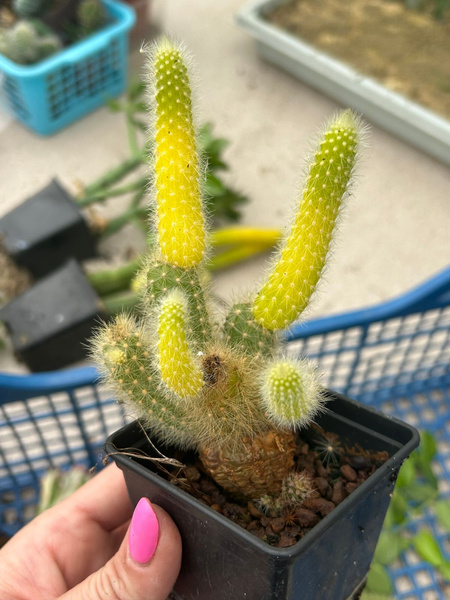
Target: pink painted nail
x=144, y=531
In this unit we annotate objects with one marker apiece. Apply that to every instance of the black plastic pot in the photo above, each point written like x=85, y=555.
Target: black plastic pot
x=50, y=323
x=46, y=230
x=225, y=562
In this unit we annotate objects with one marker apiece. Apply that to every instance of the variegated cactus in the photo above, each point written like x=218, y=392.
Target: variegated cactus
x=222, y=388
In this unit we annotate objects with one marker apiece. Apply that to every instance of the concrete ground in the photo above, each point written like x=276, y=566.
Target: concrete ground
x=396, y=230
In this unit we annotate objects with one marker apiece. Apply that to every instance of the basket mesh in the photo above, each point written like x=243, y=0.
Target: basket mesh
x=400, y=366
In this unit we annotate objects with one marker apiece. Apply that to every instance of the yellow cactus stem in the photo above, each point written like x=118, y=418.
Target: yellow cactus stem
x=179, y=369
x=290, y=285
x=178, y=172
x=290, y=392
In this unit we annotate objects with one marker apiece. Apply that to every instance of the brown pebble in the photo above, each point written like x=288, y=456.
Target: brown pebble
x=304, y=449
x=320, y=469
x=338, y=492
x=265, y=520
x=360, y=462
x=362, y=475
x=253, y=525
x=323, y=486
x=216, y=507
x=293, y=529
x=192, y=473
x=254, y=511
x=207, y=486
x=320, y=505
x=348, y=473
x=306, y=518
x=259, y=532
x=286, y=540
x=277, y=525
x=350, y=487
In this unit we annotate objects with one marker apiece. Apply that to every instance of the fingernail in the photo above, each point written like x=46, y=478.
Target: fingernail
x=144, y=531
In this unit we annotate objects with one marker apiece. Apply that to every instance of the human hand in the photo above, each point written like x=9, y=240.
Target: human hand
x=84, y=548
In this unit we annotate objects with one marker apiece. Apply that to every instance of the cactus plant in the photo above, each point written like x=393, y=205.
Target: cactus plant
x=26, y=9
x=91, y=15
x=28, y=42
x=222, y=388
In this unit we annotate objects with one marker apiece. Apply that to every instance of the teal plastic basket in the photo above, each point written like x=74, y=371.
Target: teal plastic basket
x=73, y=82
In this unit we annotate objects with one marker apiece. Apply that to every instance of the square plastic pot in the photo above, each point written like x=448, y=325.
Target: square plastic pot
x=50, y=322
x=393, y=112
x=46, y=230
x=223, y=561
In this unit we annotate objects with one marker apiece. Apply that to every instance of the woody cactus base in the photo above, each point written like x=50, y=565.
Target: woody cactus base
x=220, y=386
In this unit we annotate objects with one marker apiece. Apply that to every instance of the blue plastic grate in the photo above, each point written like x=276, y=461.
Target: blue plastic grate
x=394, y=356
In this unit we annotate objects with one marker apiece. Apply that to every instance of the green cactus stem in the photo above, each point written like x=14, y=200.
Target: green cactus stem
x=157, y=278
x=290, y=285
x=122, y=352
x=290, y=392
x=177, y=166
x=246, y=335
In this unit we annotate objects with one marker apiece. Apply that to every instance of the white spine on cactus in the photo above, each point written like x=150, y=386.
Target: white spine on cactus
x=291, y=392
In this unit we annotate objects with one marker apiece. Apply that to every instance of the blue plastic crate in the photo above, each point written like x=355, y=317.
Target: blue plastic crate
x=73, y=82
x=394, y=356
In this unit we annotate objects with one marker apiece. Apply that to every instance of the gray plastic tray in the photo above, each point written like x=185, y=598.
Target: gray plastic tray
x=390, y=110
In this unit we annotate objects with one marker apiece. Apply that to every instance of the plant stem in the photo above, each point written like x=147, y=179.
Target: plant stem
x=235, y=255
x=108, y=193
x=117, y=223
x=131, y=132
x=113, y=175
x=245, y=235
x=119, y=302
x=108, y=281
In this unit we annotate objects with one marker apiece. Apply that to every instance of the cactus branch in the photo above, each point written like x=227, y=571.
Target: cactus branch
x=177, y=170
x=179, y=369
x=290, y=285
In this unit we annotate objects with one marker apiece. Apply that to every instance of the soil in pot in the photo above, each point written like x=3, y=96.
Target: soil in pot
x=406, y=50
x=335, y=469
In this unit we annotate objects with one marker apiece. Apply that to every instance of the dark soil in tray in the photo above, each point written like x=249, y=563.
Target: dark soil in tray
x=336, y=472
x=407, y=50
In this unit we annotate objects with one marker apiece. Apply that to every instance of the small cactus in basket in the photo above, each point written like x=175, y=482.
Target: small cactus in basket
x=91, y=15
x=27, y=9
x=221, y=386
x=28, y=41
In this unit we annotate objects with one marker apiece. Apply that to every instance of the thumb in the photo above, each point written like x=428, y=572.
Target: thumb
x=146, y=564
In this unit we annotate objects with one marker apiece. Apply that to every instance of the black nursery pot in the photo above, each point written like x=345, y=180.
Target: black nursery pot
x=50, y=322
x=223, y=561
x=46, y=230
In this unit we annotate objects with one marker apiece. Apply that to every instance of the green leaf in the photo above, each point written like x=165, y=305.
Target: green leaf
x=442, y=512
x=140, y=107
x=378, y=581
x=428, y=548
x=444, y=570
x=396, y=513
x=214, y=186
x=427, y=449
x=420, y=492
x=407, y=474
x=114, y=105
x=136, y=89
x=390, y=545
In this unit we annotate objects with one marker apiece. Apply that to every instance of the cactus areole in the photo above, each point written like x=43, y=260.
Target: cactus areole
x=221, y=388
